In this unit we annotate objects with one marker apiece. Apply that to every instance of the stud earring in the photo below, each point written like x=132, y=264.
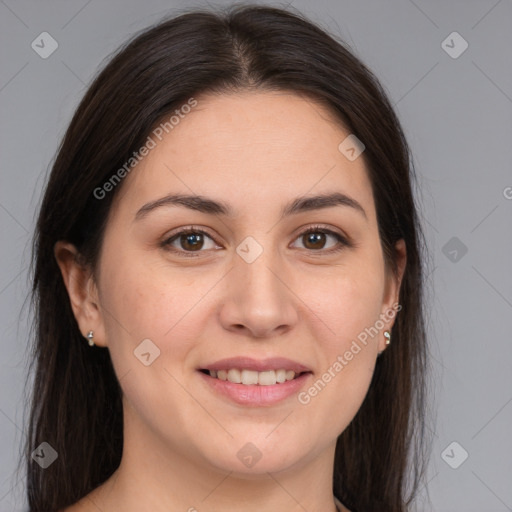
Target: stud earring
x=90, y=337
x=388, y=340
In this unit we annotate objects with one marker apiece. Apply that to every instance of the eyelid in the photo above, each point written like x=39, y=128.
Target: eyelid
x=192, y=229
x=343, y=240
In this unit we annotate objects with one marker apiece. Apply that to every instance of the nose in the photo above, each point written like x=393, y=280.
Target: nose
x=259, y=302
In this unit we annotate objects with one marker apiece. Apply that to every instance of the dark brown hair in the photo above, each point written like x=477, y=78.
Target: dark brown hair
x=76, y=404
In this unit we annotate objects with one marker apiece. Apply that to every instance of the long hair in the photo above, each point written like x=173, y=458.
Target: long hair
x=76, y=399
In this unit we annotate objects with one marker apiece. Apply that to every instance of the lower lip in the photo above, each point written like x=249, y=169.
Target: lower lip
x=255, y=395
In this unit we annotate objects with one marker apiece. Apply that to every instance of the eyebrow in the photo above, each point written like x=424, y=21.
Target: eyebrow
x=213, y=207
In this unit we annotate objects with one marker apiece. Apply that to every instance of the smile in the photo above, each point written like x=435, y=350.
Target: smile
x=254, y=378
x=249, y=391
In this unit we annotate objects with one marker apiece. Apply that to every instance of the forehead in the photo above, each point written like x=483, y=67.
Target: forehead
x=248, y=148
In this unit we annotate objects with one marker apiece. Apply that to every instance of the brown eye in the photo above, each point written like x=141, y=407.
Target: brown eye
x=188, y=241
x=191, y=241
x=316, y=238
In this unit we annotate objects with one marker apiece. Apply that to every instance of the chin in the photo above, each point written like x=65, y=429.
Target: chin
x=256, y=458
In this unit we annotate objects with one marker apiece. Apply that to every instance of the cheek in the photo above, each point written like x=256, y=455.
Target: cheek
x=347, y=301
x=145, y=304
x=147, y=299
x=150, y=301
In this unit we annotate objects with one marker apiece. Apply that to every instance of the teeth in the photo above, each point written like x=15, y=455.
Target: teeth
x=267, y=378
x=234, y=376
x=251, y=377
x=280, y=376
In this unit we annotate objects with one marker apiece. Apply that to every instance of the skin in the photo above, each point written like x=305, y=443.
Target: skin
x=257, y=152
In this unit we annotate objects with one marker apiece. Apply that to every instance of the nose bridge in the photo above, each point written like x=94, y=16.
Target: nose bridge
x=260, y=274
x=259, y=299
x=256, y=267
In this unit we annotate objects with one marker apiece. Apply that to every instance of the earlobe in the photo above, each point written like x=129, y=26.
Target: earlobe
x=387, y=337
x=392, y=294
x=82, y=291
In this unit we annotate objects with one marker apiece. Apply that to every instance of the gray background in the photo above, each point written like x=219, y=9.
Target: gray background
x=457, y=115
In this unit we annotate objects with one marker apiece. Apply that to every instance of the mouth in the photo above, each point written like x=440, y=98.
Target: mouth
x=255, y=383
x=254, y=378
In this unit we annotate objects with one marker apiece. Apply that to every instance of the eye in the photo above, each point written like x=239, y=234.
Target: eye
x=190, y=240
x=315, y=239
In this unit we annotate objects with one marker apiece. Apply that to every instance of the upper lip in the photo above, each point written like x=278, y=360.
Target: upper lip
x=259, y=365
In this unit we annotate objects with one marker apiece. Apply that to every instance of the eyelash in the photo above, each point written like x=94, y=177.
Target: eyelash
x=342, y=241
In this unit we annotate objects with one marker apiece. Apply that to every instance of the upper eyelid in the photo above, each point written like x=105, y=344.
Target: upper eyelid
x=303, y=230
x=186, y=230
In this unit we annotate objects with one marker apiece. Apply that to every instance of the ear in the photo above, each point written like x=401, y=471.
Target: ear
x=390, y=306
x=82, y=291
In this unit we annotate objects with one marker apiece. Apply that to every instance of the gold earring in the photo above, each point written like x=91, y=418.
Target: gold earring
x=388, y=337
x=90, y=337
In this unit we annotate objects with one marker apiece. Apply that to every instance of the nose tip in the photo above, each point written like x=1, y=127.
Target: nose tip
x=258, y=300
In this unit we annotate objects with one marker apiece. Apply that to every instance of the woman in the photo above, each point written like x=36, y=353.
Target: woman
x=228, y=281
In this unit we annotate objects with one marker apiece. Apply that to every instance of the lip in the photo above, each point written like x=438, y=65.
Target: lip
x=259, y=365
x=255, y=395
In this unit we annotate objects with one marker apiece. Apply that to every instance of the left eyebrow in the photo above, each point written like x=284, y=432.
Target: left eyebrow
x=303, y=204
x=215, y=207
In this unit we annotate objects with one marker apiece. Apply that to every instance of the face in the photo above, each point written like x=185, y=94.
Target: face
x=281, y=288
